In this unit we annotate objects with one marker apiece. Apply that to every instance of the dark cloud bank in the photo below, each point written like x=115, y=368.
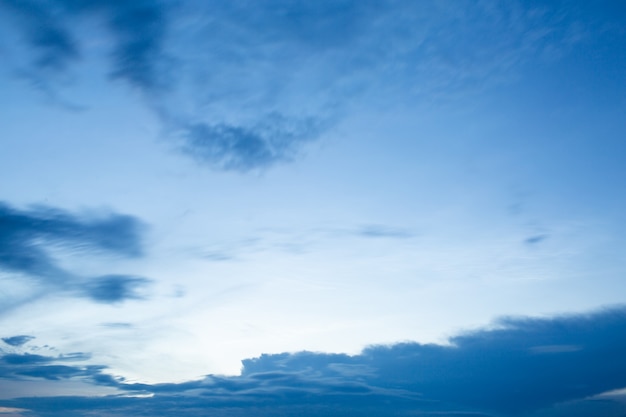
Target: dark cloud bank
x=521, y=367
x=27, y=238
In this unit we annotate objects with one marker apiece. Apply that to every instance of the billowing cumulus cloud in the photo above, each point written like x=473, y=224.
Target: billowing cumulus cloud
x=520, y=367
x=28, y=237
x=242, y=87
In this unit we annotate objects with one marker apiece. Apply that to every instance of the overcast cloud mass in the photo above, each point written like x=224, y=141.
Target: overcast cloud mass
x=312, y=208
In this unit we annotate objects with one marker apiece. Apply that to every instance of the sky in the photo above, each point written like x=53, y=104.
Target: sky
x=312, y=208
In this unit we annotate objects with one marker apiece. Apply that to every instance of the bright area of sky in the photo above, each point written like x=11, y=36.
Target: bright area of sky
x=307, y=177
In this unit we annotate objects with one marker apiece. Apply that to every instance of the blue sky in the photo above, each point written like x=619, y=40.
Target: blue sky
x=312, y=208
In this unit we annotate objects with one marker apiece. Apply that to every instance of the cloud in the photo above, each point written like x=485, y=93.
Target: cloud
x=518, y=367
x=17, y=340
x=115, y=288
x=14, y=359
x=137, y=30
x=53, y=45
x=297, y=242
x=533, y=240
x=18, y=366
x=26, y=228
x=217, y=74
x=118, y=325
x=375, y=231
x=139, y=27
x=231, y=147
x=25, y=234
x=524, y=365
x=27, y=238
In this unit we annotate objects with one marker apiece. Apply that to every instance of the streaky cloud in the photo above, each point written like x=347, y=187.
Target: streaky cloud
x=55, y=47
x=117, y=325
x=28, y=235
x=17, y=359
x=115, y=233
x=31, y=359
x=212, y=72
x=18, y=366
x=536, y=239
x=138, y=29
x=380, y=231
x=24, y=235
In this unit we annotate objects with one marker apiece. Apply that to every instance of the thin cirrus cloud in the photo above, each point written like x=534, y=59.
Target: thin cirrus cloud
x=298, y=242
x=382, y=231
x=254, y=85
x=28, y=236
x=519, y=367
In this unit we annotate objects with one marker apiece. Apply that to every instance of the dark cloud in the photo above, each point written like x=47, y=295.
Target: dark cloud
x=137, y=28
x=17, y=340
x=45, y=30
x=521, y=367
x=30, y=359
x=238, y=148
x=533, y=240
x=27, y=236
x=526, y=364
x=24, y=234
x=15, y=366
x=14, y=359
x=57, y=372
x=115, y=288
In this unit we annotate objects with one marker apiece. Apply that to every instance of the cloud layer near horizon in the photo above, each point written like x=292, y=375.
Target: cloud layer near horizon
x=518, y=367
